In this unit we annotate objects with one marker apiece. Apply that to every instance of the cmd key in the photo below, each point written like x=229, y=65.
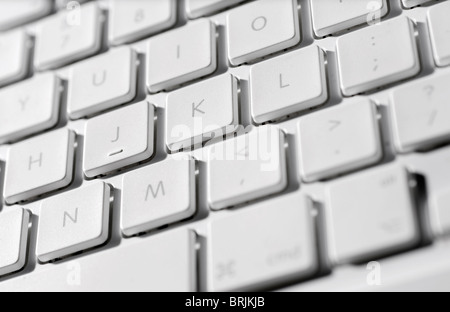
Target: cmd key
x=261, y=246
x=386, y=53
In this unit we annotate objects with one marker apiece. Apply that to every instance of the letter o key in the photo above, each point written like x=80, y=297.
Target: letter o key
x=259, y=23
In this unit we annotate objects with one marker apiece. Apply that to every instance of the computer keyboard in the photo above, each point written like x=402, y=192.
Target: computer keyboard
x=285, y=145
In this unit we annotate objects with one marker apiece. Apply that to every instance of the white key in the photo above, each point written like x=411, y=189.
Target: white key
x=164, y=263
x=199, y=8
x=14, y=13
x=14, y=56
x=412, y=3
x=134, y=19
x=420, y=113
x=439, y=25
x=440, y=208
x=287, y=84
x=386, y=53
x=118, y=139
x=29, y=107
x=174, y=58
x=370, y=214
x=260, y=246
x=73, y=222
x=39, y=165
x=261, y=28
x=102, y=82
x=68, y=4
x=201, y=111
x=246, y=168
x=65, y=37
x=13, y=239
x=345, y=138
x=330, y=17
x=157, y=195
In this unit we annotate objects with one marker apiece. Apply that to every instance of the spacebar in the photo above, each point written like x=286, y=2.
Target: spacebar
x=162, y=263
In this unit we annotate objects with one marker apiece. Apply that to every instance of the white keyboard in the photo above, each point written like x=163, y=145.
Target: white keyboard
x=162, y=145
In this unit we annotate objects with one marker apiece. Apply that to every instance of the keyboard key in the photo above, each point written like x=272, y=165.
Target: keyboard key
x=199, y=8
x=439, y=29
x=39, y=165
x=202, y=111
x=14, y=56
x=135, y=19
x=261, y=28
x=162, y=263
x=412, y=3
x=173, y=58
x=13, y=239
x=102, y=82
x=295, y=81
x=439, y=207
x=386, y=53
x=118, y=139
x=68, y=4
x=157, y=195
x=73, y=222
x=261, y=246
x=29, y=107
x=62, y=39
x=246, y=168
x=14, y=13
x=420, y=113
x=346, y=138
x=330, y=17
x=379, y=203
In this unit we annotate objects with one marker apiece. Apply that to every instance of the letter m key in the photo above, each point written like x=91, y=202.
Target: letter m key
x=155, y=192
